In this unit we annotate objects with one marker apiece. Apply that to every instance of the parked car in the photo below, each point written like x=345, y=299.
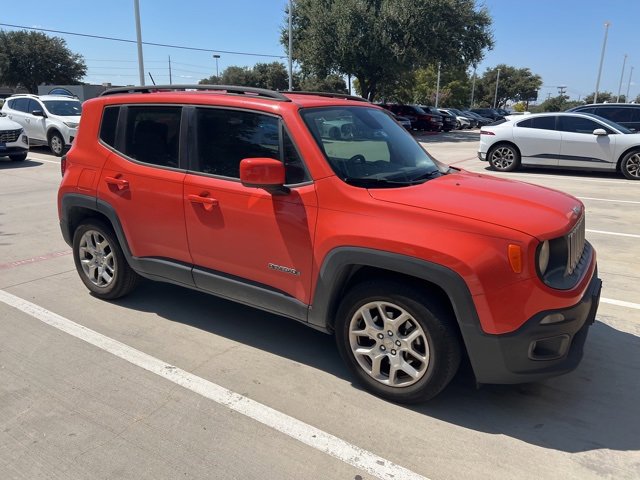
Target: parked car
x=448, y=120
x=625, y=114
x=413, y=265
x=566, y=140
x=13, y=141
x=404, y=121
x=47, y=120
x=462, y=121
x=420, y=120
x=478, y=118
x=488, y=113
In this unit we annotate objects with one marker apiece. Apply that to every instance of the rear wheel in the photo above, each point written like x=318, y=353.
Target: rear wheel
x=504, y=158
x=56, y=144
x=20, y=157
x=630, y=165
x=100, y=262
x=399, y=343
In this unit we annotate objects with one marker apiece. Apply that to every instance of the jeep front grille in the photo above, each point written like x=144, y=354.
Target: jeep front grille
x=575, y=246
x=9, y=136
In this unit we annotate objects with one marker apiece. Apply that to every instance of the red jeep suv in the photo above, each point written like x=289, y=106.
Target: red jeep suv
x=322, y=208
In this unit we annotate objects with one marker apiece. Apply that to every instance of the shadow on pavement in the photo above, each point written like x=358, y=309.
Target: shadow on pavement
x=9, y=164
x=594, y=407
x=454, y=136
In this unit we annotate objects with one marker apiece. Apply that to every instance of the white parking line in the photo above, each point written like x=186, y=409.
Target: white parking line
x=620, y=303
x=43, y=160
x=609, y=200
x=604, y=232
x=296, y=429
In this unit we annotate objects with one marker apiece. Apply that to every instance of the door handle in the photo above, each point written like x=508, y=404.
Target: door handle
x=118, y=182
x=207, y=202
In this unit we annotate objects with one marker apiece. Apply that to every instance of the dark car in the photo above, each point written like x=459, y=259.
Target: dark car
x=480, y=119
x=626, y=114
x=473, y=122
x=420, y=120
x=448, y=120
x=492, y=113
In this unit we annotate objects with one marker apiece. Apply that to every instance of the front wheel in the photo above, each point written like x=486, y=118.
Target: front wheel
x=630, y=165
x=100, y=262
x=399, y=342
x=504, y=158
x=20, y=157
x=56, y=144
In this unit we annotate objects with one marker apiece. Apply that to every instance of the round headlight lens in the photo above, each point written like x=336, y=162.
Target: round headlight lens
x=543, y=257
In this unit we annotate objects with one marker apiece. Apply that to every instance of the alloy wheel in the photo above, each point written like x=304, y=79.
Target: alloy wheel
x=97, y=258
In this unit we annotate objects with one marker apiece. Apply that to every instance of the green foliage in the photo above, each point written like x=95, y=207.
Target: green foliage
x=556, y=104
x=381, y=42
x=332, y=83
x=602, y=97
x=273, y=76
x=30, y=59
x=514, y=84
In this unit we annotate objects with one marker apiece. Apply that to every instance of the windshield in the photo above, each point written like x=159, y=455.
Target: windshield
x=64, y=108
x=615, y=125
x=366, y=147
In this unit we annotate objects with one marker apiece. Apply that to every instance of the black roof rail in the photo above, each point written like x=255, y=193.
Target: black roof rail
x=330, y=95
x=230, y=89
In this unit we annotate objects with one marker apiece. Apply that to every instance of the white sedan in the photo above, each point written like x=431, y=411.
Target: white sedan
x=566, y=140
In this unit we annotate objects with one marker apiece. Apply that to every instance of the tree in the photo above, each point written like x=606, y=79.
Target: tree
x=331, y=83
x=602, y=97
x=514, y=84
x=273, y=76
x=380, y=42
x=29, y=59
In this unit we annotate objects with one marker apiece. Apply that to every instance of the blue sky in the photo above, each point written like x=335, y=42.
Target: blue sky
x=561, y=40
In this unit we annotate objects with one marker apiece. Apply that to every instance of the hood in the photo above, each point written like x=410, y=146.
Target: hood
x=534, y=210
x=6, y=124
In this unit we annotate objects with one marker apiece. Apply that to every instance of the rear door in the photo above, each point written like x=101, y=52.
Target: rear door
x=538, y=140
x=143, y=180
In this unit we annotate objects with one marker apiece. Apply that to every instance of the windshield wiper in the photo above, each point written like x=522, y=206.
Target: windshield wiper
x=375, y=183
x=427, y=176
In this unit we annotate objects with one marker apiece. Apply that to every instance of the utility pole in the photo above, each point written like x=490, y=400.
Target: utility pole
x=629, y=84
x=495, y=98
x=438, y=86
x=216, y=57
x=562, y=89
x=290, y=45
x=604, y=46
x=624, y=62
x=139, y=35
x=170, y=79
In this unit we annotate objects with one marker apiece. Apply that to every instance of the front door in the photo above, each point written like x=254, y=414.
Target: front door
x=247, y=234
x=581, y=148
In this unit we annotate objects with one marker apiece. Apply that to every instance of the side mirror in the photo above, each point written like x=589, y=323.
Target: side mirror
x=266, y=173
x=38, y=113
x=600, y=131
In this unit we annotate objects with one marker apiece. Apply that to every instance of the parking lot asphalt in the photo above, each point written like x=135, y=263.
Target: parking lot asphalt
x=170, y=383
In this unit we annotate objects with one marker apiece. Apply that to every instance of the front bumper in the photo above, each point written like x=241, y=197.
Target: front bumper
x=536, y=350
x=482, y=156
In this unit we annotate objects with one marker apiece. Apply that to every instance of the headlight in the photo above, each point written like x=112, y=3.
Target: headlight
x=543, y=257
x=71, y=124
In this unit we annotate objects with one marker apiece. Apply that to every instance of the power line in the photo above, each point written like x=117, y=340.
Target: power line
x=114, y=39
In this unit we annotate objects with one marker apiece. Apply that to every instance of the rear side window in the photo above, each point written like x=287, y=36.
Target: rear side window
x=615, y=114
x=543, y=123
x=152, y=135
x=108, y=125
x=20, y=104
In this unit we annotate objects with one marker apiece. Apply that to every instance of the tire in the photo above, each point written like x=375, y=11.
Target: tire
x=20, y=157
x=424, y=364
x=100, y=262
x=504, y=157
x=56, y=143
x=630, y=165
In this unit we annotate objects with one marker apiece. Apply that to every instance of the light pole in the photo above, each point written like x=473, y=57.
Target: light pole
x=136, y=7
x=495, y=97
x=624, y=62
x=629, y=84
x=473, y=85
x=604, y=46
x=438, y=86
x=291, y=46
x=216, y=56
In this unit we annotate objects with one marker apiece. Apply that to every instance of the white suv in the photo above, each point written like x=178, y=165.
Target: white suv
x=13, y=141
x=47, y=119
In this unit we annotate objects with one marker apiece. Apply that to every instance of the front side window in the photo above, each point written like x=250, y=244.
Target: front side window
x=579, y=125
x=366, y=147
x=152, y=135
x=63, y=108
